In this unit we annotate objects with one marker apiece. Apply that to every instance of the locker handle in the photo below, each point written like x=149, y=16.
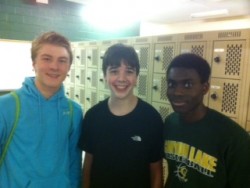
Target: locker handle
x=78, y=57
x=155, y=87
x=101, y=80
x=157, y=58
x=88, y=99
x=217, y=59
x=77, y=76
x=89, y=57
x=101, y=57
x=214, y=96
x=88, y=78
x=77, y=96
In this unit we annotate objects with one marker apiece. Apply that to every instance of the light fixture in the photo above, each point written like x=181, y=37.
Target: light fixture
x=213, y=13
x=42, y=1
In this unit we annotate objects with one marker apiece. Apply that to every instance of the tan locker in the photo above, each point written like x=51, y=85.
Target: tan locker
x=71, y=75
x=163, y=109
x=83, y=57
x=70, y=91
x=91, y=78
x=102, y=84
x=92, y=55
x=143, y=52
x=159, y=88
x=142, y=46
x=103, y=46
x=90, y=98
x=163, y=55
x=224, y=96
x=195, y=47
x=228, y=59
x=80, y=57
x=79, y=95
x=141, y=89
x=79, y=76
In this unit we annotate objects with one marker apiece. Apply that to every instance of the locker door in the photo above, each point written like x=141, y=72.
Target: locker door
x=92, y=57
x=228, y=59
x=90, y=98
x=91, y=78
x=163, y=54
x=79, y=76
x=224, y=96
x=159, y=89
x=195, y=47
x=142, y=85
x=70, y=91
x=143, y=52
x=102, y=84
x=79, y=95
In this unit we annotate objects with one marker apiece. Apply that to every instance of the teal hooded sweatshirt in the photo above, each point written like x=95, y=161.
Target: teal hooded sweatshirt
x=43, y=152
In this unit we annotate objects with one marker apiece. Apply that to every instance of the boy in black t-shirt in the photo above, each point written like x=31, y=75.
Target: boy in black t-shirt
x=122, y=135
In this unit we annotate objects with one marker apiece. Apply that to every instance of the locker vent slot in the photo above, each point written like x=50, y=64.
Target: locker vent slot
x=95, y=57
x=72, y=76
x=93, y=98
x=122, y=41
x=106, y=42
x=198, y=50
x=141, y=40
x=168, y=54
x=229, y=98
x=92, y=43
x=83, y=57
x=72, y=92
x=82, y=96
x=164, y=111
x=142, y=85
x=164, y=38
x=233, y=59
x=82, y=77
x=94, y=79
x=144, y=58
x=231, y=34
x=74, y=55
x=81, y=44
x=163, y=88
x=193, y=36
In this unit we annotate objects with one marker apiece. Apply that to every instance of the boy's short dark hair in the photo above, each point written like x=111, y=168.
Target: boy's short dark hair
x=118, y=52
x=192, y=61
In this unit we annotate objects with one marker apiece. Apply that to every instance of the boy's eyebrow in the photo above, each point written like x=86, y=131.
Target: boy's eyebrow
x=183, y=80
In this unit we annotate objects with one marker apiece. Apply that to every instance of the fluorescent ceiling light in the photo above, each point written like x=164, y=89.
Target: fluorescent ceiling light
x=84, y=2
x=212, y=13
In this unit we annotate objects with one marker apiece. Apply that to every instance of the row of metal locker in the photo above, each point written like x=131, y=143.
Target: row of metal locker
x=226, y=51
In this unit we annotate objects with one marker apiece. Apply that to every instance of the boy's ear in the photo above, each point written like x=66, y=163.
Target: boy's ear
x=206, y=87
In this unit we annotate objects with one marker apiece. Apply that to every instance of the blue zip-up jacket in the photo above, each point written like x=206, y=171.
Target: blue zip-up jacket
x=43, y=152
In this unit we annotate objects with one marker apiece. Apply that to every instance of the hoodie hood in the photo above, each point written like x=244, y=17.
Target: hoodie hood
x=30, y=89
